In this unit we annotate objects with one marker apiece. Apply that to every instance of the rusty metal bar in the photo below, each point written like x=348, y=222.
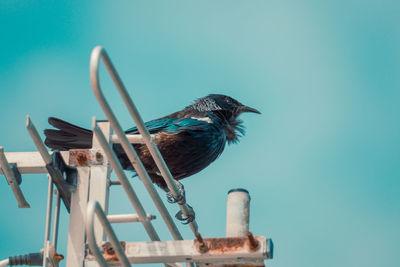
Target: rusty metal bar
x=95, y=209
x=12, y=181
x=233, y=251
x=100, y=53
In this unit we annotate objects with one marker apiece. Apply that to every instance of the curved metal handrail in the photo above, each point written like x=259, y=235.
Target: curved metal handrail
x=100, y=53
x=93, y=209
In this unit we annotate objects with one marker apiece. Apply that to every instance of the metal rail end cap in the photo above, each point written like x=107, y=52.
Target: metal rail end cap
x=238, y=190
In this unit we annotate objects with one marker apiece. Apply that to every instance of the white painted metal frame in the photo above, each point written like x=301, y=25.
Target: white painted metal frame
x=238, y=250
x=99, y=183
x=89, y=201
x=32, y=162
x=182, y=250
x=93, y=185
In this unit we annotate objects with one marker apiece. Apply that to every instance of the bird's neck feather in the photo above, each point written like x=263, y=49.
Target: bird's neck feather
x=232, y=126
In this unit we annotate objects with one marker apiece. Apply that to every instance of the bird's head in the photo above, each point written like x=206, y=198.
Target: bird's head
x=227, y=110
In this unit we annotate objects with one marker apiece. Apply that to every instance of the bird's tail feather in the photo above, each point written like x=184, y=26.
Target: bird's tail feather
x=68, y=136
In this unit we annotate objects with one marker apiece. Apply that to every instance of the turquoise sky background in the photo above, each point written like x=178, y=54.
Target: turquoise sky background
x=322, y=161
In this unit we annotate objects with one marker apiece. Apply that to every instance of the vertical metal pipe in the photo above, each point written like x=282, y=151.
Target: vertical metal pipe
x=99, y=186
x=237, y=212
x=56, y=221
x=49, y=208
x=48, y=222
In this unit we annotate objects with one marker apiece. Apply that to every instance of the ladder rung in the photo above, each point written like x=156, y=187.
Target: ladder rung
x=125, y=218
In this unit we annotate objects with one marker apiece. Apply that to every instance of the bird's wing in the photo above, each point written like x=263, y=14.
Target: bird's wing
x=154, y=126
x=170, y=125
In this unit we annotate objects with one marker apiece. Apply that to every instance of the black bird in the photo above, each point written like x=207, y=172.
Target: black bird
x=189, y=140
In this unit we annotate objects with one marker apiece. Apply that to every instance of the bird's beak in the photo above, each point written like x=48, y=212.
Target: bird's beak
x=249, y=109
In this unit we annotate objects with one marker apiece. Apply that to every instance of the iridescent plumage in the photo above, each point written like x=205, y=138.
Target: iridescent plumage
x=189, y=140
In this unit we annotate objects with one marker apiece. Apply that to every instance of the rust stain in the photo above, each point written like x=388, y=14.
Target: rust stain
x=57, y=258
x=81, y=159
x=201, y=245
x=253, y=243
x=85, y=157
x=99, y=157
x=223, y=245
x=109, y=252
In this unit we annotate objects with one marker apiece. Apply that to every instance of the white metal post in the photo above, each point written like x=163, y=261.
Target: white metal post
x=100, y=178
x=56, y=220
x=93, y=184
x=46, y=252
x=76, y=233
x=237, y=213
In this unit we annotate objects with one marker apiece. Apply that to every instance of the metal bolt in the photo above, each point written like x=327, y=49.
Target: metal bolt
x=202, y=245
x=253, y=243
x=115, y=182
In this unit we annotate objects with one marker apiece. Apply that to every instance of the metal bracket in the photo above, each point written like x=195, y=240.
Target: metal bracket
x=13, y=178
x=17, y=174
x=64, y=177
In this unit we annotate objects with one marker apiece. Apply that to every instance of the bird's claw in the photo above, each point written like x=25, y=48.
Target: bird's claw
x=181, y=198
x=186, y=219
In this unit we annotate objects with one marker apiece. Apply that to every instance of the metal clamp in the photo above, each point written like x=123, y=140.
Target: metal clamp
x=64, y=177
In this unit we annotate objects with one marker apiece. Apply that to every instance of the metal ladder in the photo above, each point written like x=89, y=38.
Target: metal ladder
x=84, y=189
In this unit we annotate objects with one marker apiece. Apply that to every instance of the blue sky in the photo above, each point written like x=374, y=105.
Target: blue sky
x=321, y=162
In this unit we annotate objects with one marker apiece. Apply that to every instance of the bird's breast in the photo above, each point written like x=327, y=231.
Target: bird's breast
x=186, y=152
